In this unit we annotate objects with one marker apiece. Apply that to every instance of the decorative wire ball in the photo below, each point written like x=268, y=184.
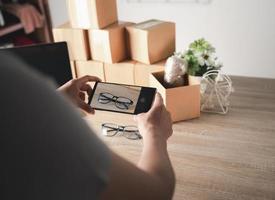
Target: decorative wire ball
x=216, y=88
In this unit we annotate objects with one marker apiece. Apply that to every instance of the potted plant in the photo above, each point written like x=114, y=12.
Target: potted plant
x=199, y=59
x=179, y=84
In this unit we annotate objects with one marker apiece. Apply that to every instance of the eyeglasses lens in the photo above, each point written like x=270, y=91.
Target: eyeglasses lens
x=109, y=129
x=123, y=103
x=105, y=98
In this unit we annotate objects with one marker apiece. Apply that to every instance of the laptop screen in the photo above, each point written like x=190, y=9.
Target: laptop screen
x=52, y=60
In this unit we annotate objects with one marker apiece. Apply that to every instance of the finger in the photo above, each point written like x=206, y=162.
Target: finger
x=24, y=20
x=81, y=104
x=138, y=117
x=24, y=23
x=30, y=10
x=88, y=78
x=40, y=18
x=87, y=88
x=36, y=17
x=30, y=23
x=82, y=96
x=159, y=98
x=25, y=10
x=157, y=105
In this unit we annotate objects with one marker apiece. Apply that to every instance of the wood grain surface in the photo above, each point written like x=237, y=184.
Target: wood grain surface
x=217, y=156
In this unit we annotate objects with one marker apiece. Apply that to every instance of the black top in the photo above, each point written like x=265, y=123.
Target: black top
x=47, y=151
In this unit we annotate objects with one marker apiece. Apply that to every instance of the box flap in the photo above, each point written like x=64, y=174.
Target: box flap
x=148, y=24
x=160, y=77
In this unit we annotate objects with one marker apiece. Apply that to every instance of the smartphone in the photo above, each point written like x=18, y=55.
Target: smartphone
x=121, y=98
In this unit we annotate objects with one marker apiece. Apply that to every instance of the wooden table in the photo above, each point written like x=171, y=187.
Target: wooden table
x=217, y=156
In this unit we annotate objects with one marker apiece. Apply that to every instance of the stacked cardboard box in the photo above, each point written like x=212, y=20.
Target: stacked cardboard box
x=124, y=52
x=90, y=67
x=95, y=14
x=77, y=41
x=143, y=71
x=121, y=52
x=109, y=44
x=87, y=17
x=151, y=41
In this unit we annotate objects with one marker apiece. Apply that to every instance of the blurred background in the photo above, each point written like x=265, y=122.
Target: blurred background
x=243, y=31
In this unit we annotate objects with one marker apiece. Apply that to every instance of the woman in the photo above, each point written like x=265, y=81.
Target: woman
x=48, y=151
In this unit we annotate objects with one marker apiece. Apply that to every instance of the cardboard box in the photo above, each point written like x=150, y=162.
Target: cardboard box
x=95, y=14
x=151, y=41
x=183, y=102
x=73, y=69
x=120, y=72
x=77, y=41
x=109, y=45
x=90, y=67
x=143, y=71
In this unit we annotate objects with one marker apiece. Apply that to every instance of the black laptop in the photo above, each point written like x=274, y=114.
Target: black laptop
x=51, y=59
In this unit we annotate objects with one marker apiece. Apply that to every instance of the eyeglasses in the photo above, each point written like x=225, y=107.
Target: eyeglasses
x=120, y=102
x=130, y=132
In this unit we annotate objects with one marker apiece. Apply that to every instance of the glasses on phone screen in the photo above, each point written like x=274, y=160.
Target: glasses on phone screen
x=130, y=132
x=122, y=103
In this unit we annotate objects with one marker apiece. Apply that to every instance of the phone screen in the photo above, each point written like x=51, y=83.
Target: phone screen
x=122, y=98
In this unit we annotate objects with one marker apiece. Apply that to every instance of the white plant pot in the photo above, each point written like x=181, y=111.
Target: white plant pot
x=194, y=80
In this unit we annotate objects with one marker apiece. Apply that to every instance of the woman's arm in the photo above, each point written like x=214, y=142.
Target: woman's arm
x=153, y=177
x=29, y=16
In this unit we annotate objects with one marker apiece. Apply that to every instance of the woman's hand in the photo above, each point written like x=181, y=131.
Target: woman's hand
x=154, y=174
x=75, y=89
x=156, y=123
x=28, y=15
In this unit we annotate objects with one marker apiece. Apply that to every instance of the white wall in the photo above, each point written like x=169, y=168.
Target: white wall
x=243, y=31
x=58, y=9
